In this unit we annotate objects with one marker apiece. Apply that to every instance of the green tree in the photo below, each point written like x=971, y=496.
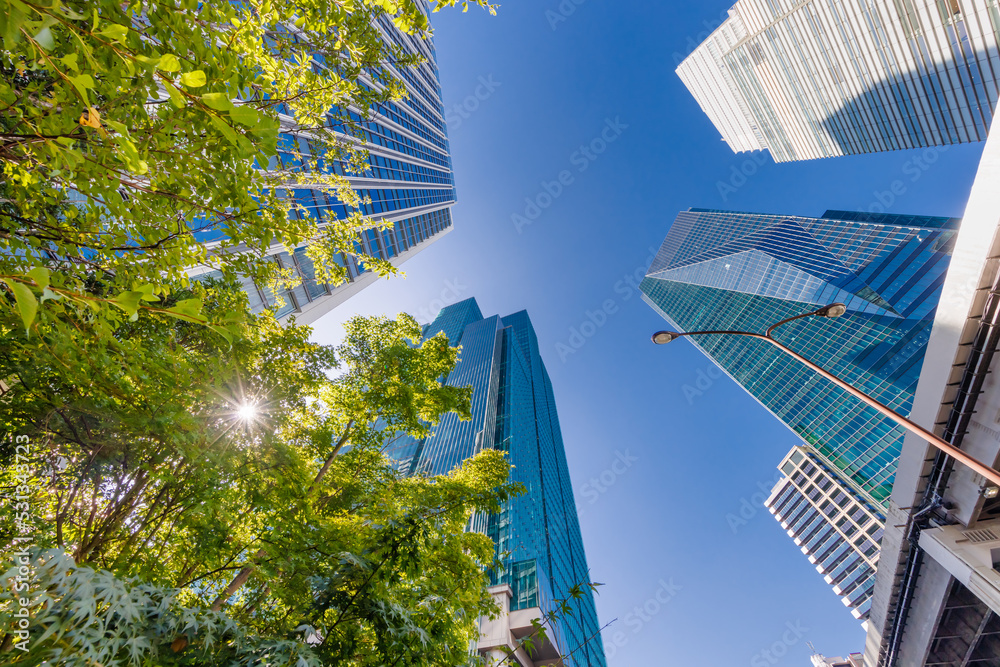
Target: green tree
x=160, y=123
x=170, y=481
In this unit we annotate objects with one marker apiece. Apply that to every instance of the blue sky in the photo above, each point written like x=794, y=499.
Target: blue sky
x=692, y=450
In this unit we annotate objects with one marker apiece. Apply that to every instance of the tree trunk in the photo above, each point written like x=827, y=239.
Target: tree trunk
x=329, y=460
x=237, y=583
x=241, y=578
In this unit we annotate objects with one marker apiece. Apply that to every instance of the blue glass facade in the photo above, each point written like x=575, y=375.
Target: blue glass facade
x=513, y=409
x=409, y=181
x=743, y=271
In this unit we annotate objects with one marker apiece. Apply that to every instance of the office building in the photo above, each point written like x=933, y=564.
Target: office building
x=409, y=183
x=718, y=270
x=820, y=78
x=837, y=529
x=538, y=534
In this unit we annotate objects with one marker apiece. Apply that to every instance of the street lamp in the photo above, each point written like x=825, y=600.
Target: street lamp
x=836, y=310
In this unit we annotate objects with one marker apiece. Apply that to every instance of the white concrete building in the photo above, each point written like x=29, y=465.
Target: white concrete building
x=505, y=639
x=853, y=660
x=820, y=78
x=836, y=529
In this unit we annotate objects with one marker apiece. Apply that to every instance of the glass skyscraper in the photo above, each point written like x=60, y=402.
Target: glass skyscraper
x=744, y=271
x=409, y=183
x=513, y=409
x=820, y=78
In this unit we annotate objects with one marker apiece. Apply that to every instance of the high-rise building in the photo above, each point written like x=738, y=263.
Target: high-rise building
x=718, y=270
x=820, y=78
x=837, y=529
x=409, y=183
x=537, y=534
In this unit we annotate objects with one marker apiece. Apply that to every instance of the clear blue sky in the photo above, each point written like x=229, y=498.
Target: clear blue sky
x=690, y=462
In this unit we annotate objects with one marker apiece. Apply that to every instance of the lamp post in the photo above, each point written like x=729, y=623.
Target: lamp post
x=836, y=310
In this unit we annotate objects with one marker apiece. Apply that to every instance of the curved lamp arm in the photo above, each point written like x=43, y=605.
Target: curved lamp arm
x=836, y=310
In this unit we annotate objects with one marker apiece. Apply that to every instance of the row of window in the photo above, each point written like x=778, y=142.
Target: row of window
x=419, y=79
x=396, y=170
x=388, y=200
x=371, y=132
x=812, y=481
x=848, y=571
x=297, y=153
x=391, y=110
x=405, y=234
x=401, y=117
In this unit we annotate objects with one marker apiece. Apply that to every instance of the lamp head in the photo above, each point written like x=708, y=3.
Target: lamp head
x=833, y=310
x=663, y=337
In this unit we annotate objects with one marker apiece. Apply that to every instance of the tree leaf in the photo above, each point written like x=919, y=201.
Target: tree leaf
x=194, y=79
x=168, y=63
x=217, y=101
x=130, y=154
x=40, y=275
x=45, y=39
x=147, y=293
x=227, y=131
x=189, y=306
x=91, y=118
x=120, y=128
x=11, y=29
x=82, y=82
x=27, y=304
x=188, y=310
x=114, y=31
x=222, y=332
x=176, y=98
x=128, y=301
x=70, y=60
x=245, y=115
